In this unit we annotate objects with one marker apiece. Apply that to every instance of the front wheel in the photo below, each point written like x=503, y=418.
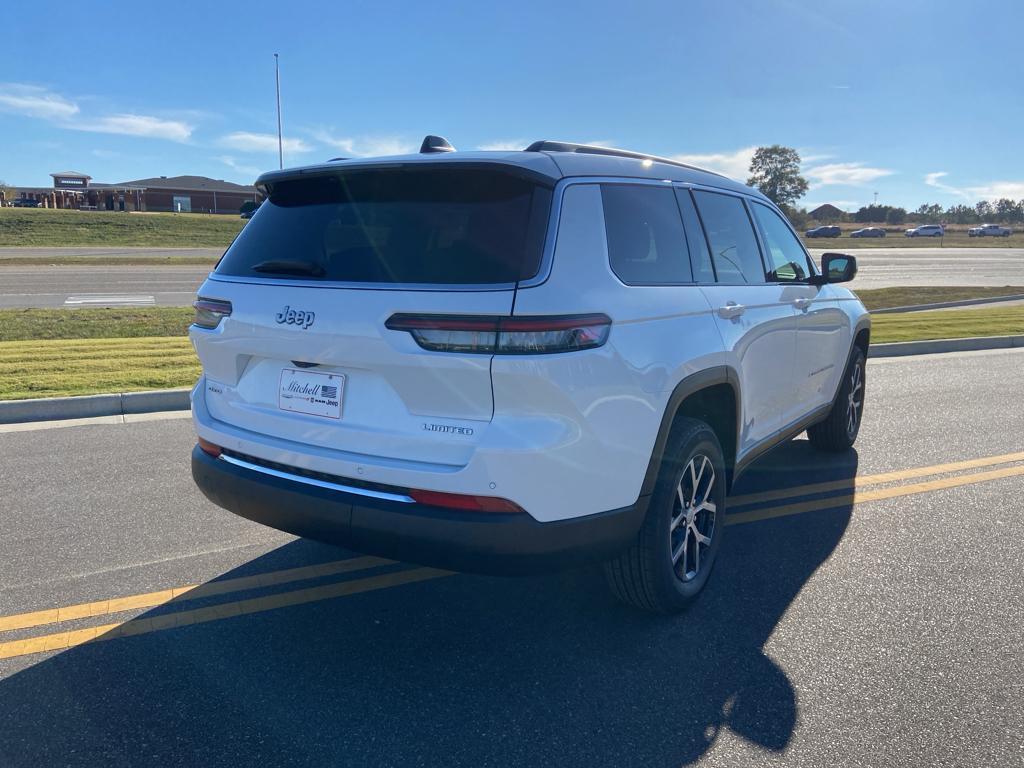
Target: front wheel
x=839, y=430
x=669, y=562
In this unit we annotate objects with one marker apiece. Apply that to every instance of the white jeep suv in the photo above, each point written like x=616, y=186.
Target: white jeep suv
x=505, y=361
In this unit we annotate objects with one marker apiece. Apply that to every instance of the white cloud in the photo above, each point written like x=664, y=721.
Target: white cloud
x=850, y=174
x=510, y=145
x=33, y=101
x=735, y=165
x=367, y=146
x=145, y=126
x=245, y=170
x=244, y=141
x=992, y=190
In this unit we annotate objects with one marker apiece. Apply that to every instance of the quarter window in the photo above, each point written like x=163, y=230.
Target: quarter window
x=646, y=242
x=731, y=238
x=787, y=260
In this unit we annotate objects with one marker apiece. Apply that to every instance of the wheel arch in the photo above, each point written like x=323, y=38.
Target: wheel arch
x=711, y=395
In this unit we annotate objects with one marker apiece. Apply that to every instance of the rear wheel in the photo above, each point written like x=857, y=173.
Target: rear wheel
x=670, y=560
x=840, y=428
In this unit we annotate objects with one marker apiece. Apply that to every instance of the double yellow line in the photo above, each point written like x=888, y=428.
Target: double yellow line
x=854, y=491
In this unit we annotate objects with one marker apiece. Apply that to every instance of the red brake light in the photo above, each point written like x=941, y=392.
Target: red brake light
x=538, y=335
x=466, y=502
x=209, y=312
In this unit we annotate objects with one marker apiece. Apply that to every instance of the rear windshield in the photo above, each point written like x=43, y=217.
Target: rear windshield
x=450, y=226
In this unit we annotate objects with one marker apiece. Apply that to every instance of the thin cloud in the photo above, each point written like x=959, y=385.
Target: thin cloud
x=993, y=190
x=366, y=146
x=849, y=174
x=935, y=180
x=240, y=168
x=33, y=101
x=501, y=145
x=735, y=165
x=244, y=141
x=145, y=126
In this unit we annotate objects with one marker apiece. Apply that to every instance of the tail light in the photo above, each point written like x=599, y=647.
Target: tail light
x=504, y=335
x=466, y=502
x=209, y=312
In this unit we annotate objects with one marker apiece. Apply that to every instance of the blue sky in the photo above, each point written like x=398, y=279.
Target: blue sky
x=918, y=101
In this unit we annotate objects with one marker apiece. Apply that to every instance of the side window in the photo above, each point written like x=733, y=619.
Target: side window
x=730, y=235
x=787, y=260
x=700, y=256
x=646, y=243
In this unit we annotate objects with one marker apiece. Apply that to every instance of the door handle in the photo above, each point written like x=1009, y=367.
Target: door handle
x=801, y=303
x=731, y=310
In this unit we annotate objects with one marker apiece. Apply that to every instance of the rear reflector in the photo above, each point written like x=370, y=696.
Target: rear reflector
x=465, y=502
x=209, y=448
x=209, y=312
x=486, y=335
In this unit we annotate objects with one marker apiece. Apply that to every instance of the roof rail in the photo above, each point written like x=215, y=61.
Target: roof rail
x=545, y=145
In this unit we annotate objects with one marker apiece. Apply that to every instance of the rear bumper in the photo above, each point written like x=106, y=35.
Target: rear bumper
x=466, y=541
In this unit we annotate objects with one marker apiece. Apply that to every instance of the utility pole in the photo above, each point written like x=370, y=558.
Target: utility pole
x=280, y=143
x=876, y=198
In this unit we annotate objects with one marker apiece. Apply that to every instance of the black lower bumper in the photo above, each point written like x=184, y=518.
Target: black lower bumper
x=477, y=542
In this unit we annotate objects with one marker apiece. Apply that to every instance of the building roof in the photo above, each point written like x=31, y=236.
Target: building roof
x=190, y=184
x=828, y=209
x=70, y=175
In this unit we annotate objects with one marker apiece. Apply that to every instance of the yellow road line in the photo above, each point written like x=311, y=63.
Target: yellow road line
x=886, y=477
x=859, y=497
x=188, y=592
x=142, y=626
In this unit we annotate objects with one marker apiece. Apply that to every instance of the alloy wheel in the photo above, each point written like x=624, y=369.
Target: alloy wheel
x=693, y=517
x=855, y=400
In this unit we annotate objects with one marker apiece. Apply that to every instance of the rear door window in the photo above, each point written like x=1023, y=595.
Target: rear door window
x=646, y=242
x=734, y=249
x=420, y=226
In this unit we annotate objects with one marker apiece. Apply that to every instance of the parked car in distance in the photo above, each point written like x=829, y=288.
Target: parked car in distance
x=925, y=230
x=824, y=231
x=868, y=232
x=476, y=365
x=989, y=230
x=24, y=202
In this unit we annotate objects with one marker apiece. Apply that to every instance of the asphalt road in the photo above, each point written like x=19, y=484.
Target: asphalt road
x=163, y=285
x=876, y=631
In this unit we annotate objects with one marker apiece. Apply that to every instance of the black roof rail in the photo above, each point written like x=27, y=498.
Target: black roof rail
x=545, y=145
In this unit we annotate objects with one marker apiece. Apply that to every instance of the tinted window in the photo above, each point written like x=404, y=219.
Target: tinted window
x=700, y=257
x=787, y=260
x=426, y=225
x=731, y=238
x=646, y=243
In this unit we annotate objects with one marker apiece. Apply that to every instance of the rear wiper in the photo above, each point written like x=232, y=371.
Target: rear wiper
x=289, y=267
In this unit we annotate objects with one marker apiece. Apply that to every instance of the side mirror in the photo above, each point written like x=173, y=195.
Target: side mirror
x=836, y=268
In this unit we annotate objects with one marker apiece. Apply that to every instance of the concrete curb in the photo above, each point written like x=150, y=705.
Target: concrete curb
x=946, y=304
x=935, y=346
x=59, y=408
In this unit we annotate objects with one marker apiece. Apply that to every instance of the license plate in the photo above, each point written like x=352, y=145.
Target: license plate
x=317, y=394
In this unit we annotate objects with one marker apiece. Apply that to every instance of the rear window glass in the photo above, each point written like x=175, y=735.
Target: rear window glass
x=646, y=243
x=451, y=226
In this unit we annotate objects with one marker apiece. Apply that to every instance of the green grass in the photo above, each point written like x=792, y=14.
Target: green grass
x=63, y=228
x=128, y=322
x=58, y=352
x=62, y=367
x=905, y=296
x=897, y=240
x=953, y=324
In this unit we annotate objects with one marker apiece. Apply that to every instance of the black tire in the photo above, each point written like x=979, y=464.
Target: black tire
x=645, y=575
x=839, y=430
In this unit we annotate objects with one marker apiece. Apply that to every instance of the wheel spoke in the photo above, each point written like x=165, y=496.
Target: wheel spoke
x=701, y=538
x=696, y=480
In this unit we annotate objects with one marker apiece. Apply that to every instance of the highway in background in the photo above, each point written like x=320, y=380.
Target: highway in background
x=75, y=285
x=880, y=627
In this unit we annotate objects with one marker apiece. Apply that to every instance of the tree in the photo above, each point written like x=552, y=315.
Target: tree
x=1005, y=209
x=983, y=209
x=7, y=192
x=896, y=216
x=775, y=170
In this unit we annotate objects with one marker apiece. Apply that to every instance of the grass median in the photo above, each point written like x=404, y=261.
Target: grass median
x=38, y=227
x=906, y=296
x=55, y=353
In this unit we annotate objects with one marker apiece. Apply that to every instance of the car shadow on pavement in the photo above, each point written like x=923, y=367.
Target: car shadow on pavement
x=460, y=670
